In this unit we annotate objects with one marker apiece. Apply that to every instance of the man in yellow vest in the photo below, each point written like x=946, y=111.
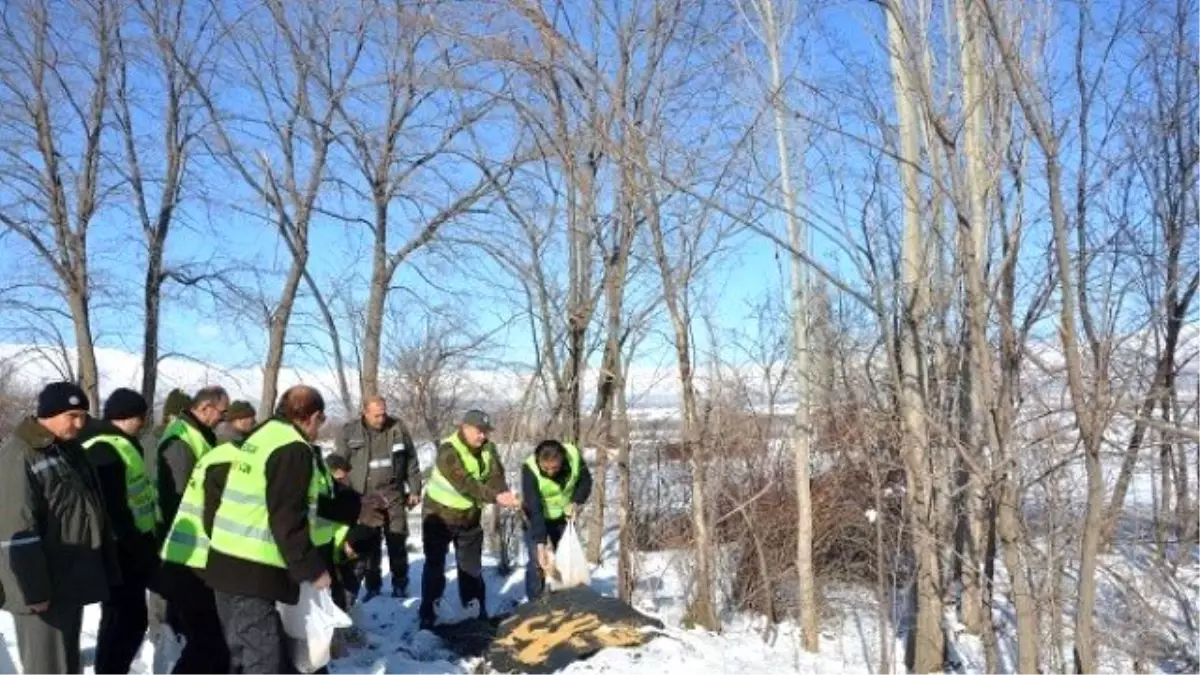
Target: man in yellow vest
x=112, y=447
x=272, y=529
x=467, y=476
x=555, y=483
x=351, y=543
x=176, y=402
x=191, y=607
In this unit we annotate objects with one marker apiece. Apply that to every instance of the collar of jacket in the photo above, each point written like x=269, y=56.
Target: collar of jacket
x=190, y=419
x=32, y=432
x=99, y=427
x=281, y=418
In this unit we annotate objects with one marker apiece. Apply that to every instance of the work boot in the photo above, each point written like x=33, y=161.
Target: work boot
x=426, y=623
x=398, y=592
x=356, y=637
x=370, y=595
x=337, y=646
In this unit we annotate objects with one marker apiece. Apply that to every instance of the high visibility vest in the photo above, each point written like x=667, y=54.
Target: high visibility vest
x=340, y=532
x=186, y=542
x=323, y=530
x=140, y=494
x=442, y=491
x=189, y=434
x=241, y=526
x=555, y=497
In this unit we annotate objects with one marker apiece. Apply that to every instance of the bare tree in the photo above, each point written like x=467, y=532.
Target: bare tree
x=431, y=366
x=773, y=22
x=155, y=171
x=1089, y=399
x=1164, y=157
x=407, y=133
x=926, y=640
x=297, y=61
x=58, y=89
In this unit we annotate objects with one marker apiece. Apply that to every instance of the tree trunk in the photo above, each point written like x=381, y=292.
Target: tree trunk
x=579, y=307
x=376, y=299
x=81, y=319
x=703, y=610
x=335, y=340
x=972, y=399
x=151, y=303
x=595, y=537
x=926, y=645
x=1132, y=449
x=626, y=574
x=277, y=335
x=609, y=376
x=802, y=432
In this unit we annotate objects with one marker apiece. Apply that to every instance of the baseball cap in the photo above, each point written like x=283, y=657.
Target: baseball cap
x=477, y=419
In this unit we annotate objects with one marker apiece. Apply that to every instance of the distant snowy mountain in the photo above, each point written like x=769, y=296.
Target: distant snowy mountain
x=32, y=367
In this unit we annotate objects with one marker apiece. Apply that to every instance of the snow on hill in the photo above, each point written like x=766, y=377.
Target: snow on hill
x=33, y=367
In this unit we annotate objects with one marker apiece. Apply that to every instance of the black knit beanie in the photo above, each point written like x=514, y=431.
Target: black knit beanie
x=125, y=404
x=61, y=397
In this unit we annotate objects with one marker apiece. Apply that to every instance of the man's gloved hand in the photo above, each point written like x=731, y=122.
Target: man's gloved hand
x=571, y=510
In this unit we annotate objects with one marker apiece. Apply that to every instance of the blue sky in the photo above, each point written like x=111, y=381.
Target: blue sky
x=843, y=44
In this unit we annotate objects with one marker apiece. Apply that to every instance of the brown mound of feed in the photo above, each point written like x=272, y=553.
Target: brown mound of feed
x=563, y=627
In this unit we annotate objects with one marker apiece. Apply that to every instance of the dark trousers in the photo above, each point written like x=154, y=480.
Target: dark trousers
x=349, y=578
x=192, y=613
x=123, y=622
x=49, y=642
x=254, y=631
x=535, y=581
x=372, y=553
x=437, y=536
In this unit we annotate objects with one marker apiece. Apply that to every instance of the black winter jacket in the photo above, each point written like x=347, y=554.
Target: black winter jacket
x=289, y=471
x=137, y=551
x=56, y=543
x=531, y=497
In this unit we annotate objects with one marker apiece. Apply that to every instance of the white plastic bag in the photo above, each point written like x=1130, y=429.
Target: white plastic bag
x=310, y=624
x=168, y=647
x=570, y=560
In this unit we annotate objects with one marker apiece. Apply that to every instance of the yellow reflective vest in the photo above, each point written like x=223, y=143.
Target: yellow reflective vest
x=442, y=491
x=241, y=526
x=140, y=494
x=186, y=542
x=555, y=497
x=189, y=434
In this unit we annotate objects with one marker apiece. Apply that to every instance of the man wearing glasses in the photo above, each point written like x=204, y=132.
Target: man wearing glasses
x=191, y=607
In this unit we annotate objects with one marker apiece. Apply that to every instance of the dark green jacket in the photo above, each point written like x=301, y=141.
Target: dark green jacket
x=56, y=543
x=483, y=491
x=380, y=458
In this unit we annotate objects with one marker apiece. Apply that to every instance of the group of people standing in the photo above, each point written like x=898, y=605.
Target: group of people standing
x=234, y=514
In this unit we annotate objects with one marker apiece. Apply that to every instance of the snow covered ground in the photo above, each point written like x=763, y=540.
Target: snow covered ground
x=1134, y=591
x=848, y=644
